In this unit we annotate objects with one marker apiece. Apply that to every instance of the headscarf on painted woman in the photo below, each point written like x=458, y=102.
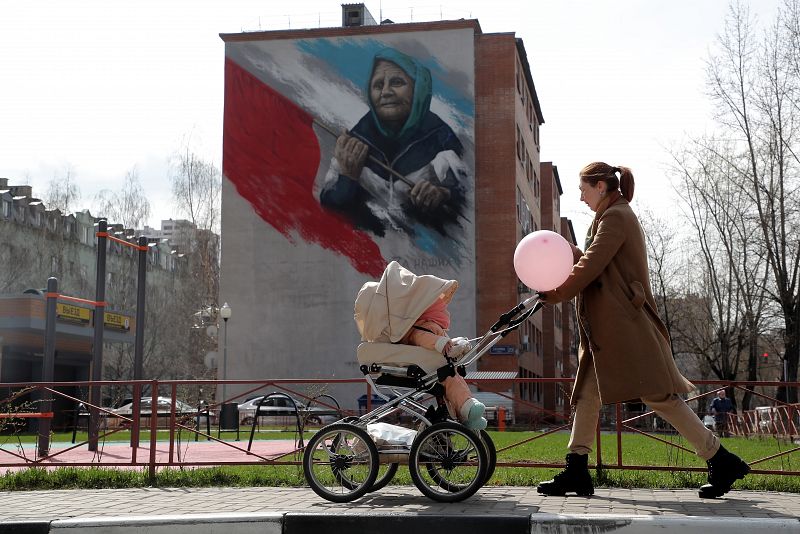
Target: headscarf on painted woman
x=420, y=147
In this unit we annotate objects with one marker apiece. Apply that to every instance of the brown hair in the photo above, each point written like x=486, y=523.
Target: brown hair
x=599, y=171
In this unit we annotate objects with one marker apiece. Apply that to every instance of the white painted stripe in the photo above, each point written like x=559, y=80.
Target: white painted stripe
x=637, y=524
x=241, y=523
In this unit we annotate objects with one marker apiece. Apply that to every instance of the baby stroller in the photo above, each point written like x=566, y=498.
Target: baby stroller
x=447, y=461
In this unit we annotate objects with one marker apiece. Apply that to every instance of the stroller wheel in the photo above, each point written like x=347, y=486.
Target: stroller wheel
x=448, y=462
x=491, y=454
x=340, y=462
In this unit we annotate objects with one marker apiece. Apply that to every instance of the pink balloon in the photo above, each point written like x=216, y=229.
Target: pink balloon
x=543, y=260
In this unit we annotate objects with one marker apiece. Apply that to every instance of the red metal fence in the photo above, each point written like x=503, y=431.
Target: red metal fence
x=775, y=420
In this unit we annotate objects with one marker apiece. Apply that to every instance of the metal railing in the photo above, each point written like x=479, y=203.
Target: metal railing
x=166, y=447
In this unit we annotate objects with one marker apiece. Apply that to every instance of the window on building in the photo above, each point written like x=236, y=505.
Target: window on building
x=84, y=277
x=539, y=342
x=6, y=209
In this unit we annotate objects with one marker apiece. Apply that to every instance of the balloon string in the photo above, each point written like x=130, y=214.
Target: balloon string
x=495, y=333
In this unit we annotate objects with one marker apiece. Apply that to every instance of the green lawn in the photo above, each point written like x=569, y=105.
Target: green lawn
x=637, y=450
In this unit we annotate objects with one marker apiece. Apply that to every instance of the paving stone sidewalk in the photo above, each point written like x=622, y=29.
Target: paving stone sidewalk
x=507, y=500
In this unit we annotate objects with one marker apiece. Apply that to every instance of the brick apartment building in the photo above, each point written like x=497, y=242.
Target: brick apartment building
x=514, y=194
x=508, y=123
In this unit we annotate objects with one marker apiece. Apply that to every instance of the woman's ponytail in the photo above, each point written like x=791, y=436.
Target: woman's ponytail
x=626, y=183
x=599, y=171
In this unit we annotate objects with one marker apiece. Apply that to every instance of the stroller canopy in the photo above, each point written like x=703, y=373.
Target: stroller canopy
x=386, y=310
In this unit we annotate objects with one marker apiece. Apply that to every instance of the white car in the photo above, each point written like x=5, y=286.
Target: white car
x=279, y=410
x=163, y=411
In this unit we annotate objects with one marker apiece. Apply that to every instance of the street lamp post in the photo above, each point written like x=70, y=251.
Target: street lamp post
x=225, y=312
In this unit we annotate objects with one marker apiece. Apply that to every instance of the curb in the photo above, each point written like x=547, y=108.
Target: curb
x=400, y=523
x=638, y=524
x=24, y=527
x=269, y=523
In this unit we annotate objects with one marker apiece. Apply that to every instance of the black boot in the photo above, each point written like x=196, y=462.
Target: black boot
x=574, y=478
x=724, y=468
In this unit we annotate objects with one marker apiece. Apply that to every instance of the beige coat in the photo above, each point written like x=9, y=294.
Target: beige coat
x=620, y=330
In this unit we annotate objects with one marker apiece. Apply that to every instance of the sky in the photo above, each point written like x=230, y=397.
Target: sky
x=103, y=87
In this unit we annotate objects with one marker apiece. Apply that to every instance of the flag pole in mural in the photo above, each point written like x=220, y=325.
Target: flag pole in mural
x=271, y=155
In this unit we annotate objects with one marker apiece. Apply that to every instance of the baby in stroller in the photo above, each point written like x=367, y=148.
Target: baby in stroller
x=406, y=309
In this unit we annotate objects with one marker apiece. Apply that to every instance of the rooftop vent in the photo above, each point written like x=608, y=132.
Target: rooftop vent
x=356, y=15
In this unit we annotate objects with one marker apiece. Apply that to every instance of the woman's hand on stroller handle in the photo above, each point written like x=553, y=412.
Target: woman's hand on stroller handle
x=458, y=347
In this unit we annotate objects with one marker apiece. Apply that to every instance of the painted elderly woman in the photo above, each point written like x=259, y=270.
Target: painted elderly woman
x=400, y=158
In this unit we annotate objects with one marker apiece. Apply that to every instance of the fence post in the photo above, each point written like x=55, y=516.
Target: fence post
x=599, y=446
x=48, y=365
x=138, y=344
x=619, y=434
x=153, y=429
x=99, y=320
x=138, y=350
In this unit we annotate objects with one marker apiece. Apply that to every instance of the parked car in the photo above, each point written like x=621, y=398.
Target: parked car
x=163, y=410
x=279, y=410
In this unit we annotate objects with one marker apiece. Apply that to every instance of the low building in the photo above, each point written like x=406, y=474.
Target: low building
x=37, y=243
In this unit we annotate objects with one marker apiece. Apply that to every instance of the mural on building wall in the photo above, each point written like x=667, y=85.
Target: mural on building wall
x=361, y=145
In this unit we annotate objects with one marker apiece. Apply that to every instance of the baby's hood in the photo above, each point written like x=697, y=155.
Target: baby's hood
x=387, y=309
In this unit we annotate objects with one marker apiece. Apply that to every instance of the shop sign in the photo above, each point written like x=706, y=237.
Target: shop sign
x=73, y=314
x=116, y=321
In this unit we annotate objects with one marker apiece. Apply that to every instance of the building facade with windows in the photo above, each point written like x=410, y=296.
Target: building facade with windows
x=37, y=243
x=301, y=236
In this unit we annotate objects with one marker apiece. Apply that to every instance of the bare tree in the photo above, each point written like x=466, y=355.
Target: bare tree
x=664, y=259
x=63, y=192
x=196, y=190
x=732, y=261
x=127, y=206
x=756, y=87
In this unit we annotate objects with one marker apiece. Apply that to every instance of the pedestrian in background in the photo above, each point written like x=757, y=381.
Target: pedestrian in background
x=720, y=407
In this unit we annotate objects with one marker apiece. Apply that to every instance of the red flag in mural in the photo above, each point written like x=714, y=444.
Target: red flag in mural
x=271, y=154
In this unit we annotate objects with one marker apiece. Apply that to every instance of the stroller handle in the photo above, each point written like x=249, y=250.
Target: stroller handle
x=507, y=319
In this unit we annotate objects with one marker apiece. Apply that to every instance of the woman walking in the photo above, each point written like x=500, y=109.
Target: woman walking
x=624, y=351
